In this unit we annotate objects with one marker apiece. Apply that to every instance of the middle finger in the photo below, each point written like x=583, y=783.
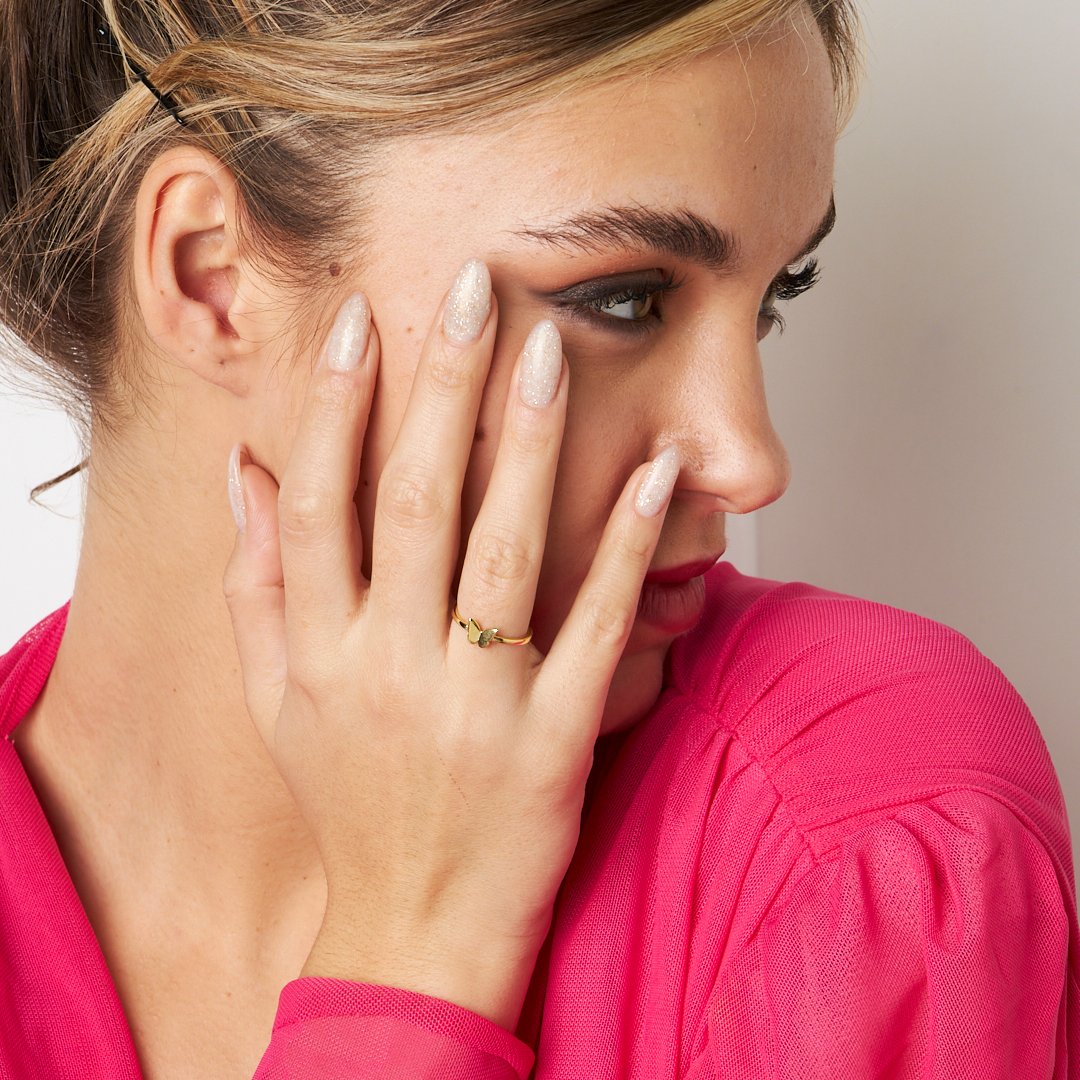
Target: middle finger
x=418, y=503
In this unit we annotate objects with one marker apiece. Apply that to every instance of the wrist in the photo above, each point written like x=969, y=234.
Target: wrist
x=481, y=979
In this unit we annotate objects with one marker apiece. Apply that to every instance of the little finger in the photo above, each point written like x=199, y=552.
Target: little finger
x=254, y=591
x=591, y=641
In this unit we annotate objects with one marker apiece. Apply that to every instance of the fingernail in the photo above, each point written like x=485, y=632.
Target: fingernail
x=468, y=303
x=236, y=489
x=541, y=365
x=659, y=482
x=347, y=343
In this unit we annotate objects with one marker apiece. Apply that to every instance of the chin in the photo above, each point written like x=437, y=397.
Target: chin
x=635, y=686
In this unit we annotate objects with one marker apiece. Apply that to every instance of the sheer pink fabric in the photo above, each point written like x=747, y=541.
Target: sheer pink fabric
x=835, y=849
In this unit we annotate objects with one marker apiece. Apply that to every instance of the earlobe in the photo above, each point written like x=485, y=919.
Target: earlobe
x=186, y=262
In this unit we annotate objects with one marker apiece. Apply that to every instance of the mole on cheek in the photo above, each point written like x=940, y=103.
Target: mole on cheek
x=335, y=269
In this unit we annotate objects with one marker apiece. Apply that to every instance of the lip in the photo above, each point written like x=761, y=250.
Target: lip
x=673, y=609
x=675, y=575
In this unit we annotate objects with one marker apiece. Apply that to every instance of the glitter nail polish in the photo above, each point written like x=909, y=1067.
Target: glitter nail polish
x=541, y=365
x=347, y=342
x=236, y=489
x=468, y=303
x=659, y=482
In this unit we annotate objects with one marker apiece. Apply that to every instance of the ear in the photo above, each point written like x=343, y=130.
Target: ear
x=198, y=297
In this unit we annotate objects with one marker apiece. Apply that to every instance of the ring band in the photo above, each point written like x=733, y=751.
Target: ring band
x=483, y=638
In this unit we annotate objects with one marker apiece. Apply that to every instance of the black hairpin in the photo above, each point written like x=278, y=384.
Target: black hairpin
x=166, y=101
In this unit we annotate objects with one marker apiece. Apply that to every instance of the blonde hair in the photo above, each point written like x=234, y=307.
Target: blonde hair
x=312, y=87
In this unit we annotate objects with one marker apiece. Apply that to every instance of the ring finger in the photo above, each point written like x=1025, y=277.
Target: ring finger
x=502, y=561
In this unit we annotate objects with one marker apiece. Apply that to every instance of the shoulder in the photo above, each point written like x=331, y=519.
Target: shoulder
x=784, y=632
x=852, y=707
x=880, y=951
x=25, y=667
x=766, y=644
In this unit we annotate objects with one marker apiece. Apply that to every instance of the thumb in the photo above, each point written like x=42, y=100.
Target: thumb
x=254, y=589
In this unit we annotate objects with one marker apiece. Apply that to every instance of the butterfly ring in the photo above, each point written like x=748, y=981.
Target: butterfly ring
x=479, y=636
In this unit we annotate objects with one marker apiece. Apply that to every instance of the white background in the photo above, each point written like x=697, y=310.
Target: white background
x=928, y=389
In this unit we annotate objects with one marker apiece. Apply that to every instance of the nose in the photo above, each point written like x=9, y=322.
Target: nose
x=721, y=423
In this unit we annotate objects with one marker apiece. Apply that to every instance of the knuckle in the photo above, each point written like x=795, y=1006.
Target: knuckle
x=410, y=497
x=555, y=781
x=399, y=682
x=310, y=678
x=502, y=558
x=531, y=437
x=450, y=375
x=609, y=621
x=466, y=743
x=318, y=663
x=307, y=514
x=332, y=394
x=232, y=585
x=633, y=546
x=310, y=685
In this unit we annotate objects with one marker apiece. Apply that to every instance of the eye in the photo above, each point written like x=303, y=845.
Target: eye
x=633, y=305
x=626, y=304
x=787, y=286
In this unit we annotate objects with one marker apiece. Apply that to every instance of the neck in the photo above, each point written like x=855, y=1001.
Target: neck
x=154, y=770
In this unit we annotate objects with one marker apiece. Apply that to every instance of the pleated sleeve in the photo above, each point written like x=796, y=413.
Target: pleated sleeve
x=333, y=1029
x=932, y=943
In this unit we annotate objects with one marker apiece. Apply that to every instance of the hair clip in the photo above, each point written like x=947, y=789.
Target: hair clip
x=166, y=101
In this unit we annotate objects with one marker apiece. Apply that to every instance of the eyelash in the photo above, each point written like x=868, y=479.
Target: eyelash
x=594, y=308
x=786, y=286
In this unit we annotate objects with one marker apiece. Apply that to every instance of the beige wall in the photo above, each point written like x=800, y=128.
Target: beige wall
x=929, y=389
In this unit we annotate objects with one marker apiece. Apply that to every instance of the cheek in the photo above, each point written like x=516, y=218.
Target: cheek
x=593, y=467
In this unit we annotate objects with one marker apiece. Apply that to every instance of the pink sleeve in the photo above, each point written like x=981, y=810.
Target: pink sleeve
x=930, y=944
x=333, y=1029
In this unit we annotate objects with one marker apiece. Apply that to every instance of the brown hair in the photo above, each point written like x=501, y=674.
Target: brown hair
x=313, y=86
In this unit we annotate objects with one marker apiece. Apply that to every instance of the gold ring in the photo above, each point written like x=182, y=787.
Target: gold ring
x=479, y=636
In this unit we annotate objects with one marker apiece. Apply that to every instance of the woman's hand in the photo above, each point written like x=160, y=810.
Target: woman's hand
x=443, y=782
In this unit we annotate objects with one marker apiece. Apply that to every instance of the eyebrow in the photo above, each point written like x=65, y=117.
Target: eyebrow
x=679, y=233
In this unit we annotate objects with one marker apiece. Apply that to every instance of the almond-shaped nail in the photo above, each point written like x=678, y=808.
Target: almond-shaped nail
x=236, y=489
x=541, y=365
x=658, y=482
x=347, y=342
x=468, y=303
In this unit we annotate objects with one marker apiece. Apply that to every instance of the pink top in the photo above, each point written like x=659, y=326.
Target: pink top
x=835, y=849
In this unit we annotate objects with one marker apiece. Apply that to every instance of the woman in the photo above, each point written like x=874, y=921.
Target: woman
x=459, y=754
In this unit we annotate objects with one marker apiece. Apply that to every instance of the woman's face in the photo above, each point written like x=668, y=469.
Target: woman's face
x=656, y=172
